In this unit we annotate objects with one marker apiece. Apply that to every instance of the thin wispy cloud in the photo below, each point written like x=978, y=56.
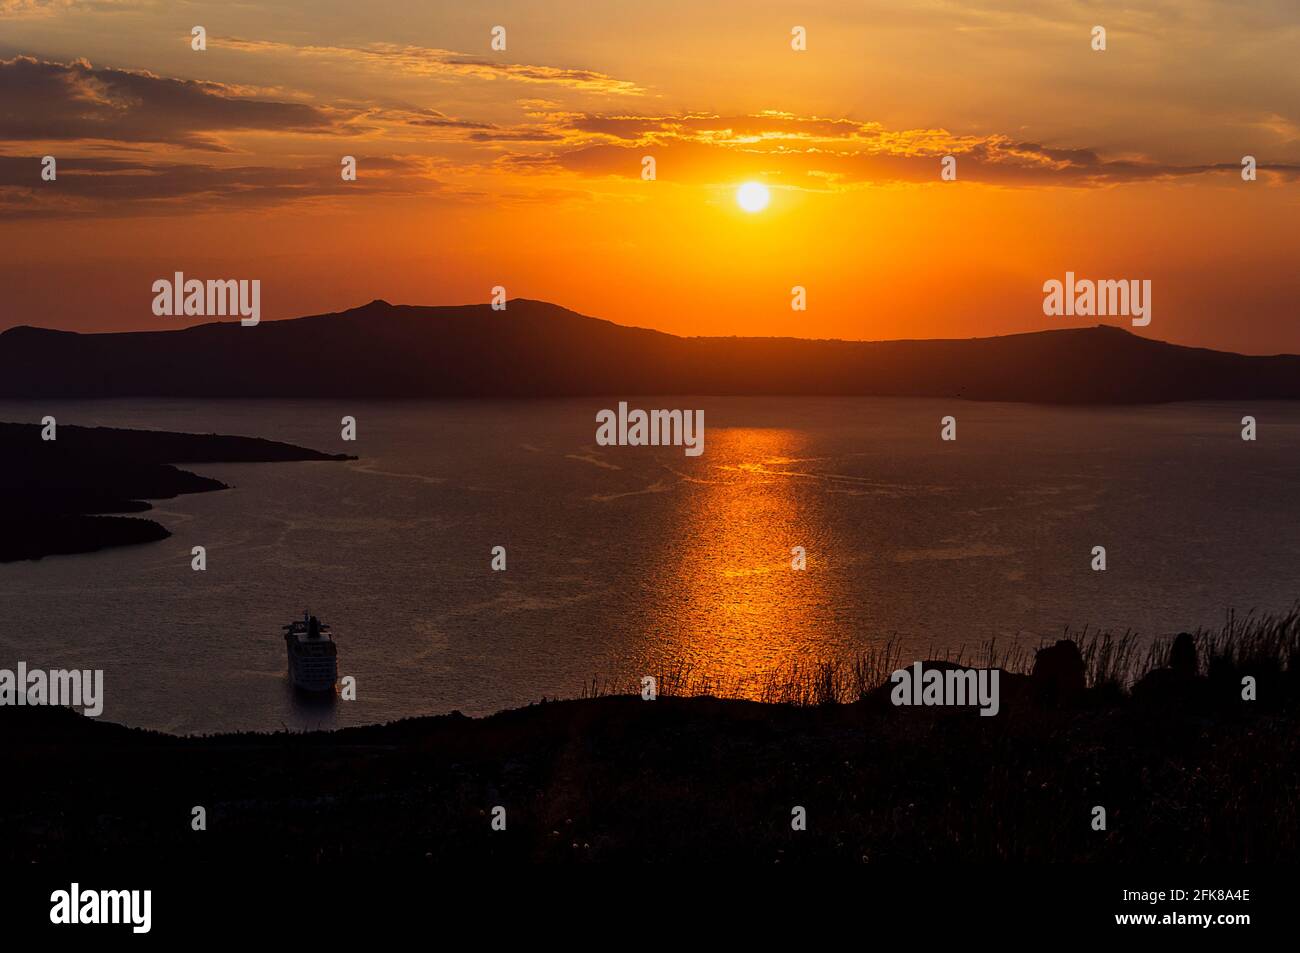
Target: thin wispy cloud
x=15, y=9
x=439, y=63
x=821, y=153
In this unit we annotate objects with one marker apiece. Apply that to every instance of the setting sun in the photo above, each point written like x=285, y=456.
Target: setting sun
x=752, y=196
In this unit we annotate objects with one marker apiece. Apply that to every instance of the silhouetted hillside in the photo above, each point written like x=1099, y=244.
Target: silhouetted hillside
x=1192, y=774
x=534, y=349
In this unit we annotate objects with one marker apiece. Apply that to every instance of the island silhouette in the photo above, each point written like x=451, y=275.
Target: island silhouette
x=537, y=349
x=54, y=494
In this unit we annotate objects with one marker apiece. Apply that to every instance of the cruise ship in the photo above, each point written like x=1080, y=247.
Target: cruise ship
x=313, y=656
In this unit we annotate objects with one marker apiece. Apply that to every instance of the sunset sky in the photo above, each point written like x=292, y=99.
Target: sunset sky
x=522, y=168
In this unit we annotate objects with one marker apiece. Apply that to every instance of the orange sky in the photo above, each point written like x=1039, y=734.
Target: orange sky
x=522, y=167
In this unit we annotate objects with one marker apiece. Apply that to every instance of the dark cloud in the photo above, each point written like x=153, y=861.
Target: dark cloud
x=115, y=122
x=105, y=186
x=41, y=100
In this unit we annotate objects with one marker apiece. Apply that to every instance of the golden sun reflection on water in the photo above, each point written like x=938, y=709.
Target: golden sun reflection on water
x=740, y=613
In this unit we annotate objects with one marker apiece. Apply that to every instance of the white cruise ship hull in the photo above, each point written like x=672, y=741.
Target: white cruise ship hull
x=313, y=657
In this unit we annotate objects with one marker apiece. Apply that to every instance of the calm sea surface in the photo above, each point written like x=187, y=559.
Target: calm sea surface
x=627, y=560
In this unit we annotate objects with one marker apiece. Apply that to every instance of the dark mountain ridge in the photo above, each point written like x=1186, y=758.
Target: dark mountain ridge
x=536, y=349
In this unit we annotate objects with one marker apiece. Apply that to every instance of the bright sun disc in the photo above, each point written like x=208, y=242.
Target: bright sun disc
x=752, y=197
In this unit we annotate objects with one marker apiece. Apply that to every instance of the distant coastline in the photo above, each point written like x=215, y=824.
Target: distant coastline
x=536, y=349
x=55, y=494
